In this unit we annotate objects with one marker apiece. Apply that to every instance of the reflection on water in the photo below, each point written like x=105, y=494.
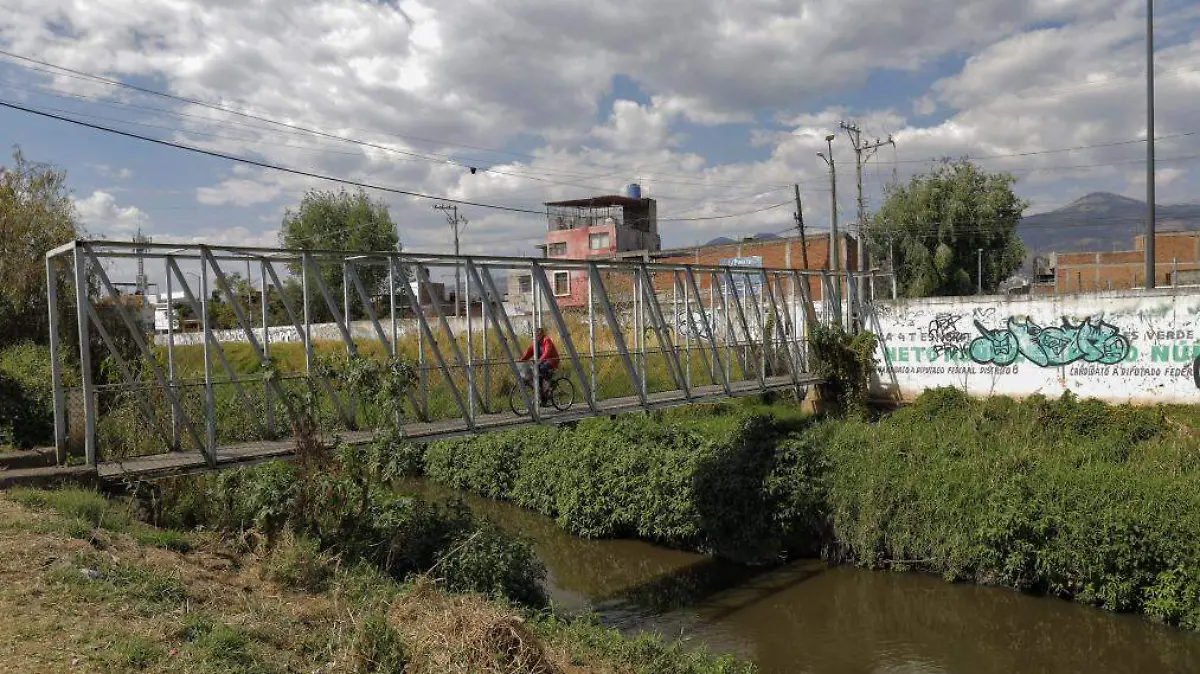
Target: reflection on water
x=807, y=617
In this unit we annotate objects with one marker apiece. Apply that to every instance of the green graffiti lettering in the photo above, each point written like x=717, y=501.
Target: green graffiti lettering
x=904, y=354
x=1160, y=353
x=1092, y=341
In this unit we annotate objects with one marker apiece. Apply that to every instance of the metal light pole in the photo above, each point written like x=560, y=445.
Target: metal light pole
x=979, y=268
x=1150, y=145
x=834, y=252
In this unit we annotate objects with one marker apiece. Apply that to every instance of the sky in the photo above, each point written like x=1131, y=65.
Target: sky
x=715, y=108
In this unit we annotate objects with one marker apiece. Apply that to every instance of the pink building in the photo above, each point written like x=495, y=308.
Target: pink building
x=592, y=227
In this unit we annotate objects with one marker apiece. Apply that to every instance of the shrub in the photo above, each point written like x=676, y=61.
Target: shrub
x=26, y=396
x=845, y=363
x=342, y=506
x=692, y=480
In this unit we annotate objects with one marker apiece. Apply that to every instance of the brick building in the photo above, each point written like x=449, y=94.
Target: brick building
x=1177, y=262
x=781, y=253
x=626, y=227
x=593, y=227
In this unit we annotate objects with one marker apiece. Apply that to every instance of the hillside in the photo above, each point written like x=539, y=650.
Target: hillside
x=1100, y=221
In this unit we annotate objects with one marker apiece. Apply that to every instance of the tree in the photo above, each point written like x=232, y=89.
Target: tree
x=36, y=215
x=937, y=224
x=339, y=221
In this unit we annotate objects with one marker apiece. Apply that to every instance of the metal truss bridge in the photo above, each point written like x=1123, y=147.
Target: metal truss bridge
x=205, y=384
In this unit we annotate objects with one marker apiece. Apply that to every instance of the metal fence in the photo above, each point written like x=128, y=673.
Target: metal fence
x=645, y=335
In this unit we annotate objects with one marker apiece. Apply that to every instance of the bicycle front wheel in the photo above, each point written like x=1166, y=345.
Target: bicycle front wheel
x=516, y=400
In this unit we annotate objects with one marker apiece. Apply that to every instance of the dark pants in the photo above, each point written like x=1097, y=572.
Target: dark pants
x=544, y=374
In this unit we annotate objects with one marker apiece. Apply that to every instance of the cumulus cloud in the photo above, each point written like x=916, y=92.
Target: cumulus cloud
x=432, y=86
x=102, y=216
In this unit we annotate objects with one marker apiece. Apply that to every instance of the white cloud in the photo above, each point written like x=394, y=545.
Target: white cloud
x=113, y=173
x=532, y=73
x=238, y=192
x=102, y=216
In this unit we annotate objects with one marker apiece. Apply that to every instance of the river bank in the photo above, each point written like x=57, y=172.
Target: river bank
x=809, y=616
x=1075, y=499
x=315, y=567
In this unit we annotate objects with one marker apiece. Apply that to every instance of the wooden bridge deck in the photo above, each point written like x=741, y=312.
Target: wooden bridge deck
x=183, y=463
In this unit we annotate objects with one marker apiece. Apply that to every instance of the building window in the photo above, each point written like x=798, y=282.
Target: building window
x=598, y=241
x=556, y=249
x=525, y=284
x=562, y=283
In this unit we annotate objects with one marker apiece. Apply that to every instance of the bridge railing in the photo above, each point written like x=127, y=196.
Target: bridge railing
x=630, y=335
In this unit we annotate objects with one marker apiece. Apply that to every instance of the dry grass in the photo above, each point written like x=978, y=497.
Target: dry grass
x=459, y=635
x=107, y=603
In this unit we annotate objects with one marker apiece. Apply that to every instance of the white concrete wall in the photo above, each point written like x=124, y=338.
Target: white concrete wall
x=359, y=330
x=1118, y=346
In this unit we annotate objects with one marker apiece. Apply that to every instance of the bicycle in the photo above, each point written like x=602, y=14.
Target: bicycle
x=561, y=394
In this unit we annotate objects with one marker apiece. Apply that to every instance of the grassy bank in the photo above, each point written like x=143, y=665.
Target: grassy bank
x=91, y=589
x=1072, y=498
x=1096, y=503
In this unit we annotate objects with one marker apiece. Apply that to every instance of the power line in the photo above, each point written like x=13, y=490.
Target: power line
x=1033, y=153
x=436, y=158
x=730, y=215
x=320, y=176
x=311, y=148
x=265, y=165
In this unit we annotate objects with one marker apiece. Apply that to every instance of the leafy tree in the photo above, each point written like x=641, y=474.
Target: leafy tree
x=939, y=221
x=340, y=221
x=36, y=214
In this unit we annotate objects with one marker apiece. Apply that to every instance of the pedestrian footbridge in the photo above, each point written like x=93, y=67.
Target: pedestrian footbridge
x=213, y=369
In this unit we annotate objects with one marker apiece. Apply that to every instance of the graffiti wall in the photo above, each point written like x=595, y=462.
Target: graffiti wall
x=1120, y=347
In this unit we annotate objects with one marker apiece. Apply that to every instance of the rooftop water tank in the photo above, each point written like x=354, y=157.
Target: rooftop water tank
x=633, y=191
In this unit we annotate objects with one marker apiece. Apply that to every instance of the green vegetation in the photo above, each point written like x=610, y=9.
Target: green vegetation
x=845, y=363
x=341, y=220
x=27, y=395
x=36, y=214
x=339, y=507
x=934, y=227
x=1071, y=498
x=684, y=478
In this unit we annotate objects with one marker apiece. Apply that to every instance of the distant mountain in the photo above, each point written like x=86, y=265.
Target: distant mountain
x=1100, y=221
x=761, y=236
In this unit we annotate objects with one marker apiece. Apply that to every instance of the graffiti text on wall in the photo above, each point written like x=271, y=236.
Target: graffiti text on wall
x=1092, y=341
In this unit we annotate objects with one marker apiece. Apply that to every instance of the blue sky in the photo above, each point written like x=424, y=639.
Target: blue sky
x=716, y=109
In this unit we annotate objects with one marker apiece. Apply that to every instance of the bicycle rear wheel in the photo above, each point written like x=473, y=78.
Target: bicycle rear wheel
x=562, y=396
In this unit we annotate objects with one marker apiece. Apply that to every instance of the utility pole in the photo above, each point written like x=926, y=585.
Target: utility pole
x=457, y=223
x=834, y=246
x=1150, y=214
x=799, y=215
x=862, y=155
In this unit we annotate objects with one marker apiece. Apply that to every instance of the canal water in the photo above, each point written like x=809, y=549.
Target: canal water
x=807, y=617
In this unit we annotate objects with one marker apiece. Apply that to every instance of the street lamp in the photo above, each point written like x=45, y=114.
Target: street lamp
x=979, y=269
x=834, y=252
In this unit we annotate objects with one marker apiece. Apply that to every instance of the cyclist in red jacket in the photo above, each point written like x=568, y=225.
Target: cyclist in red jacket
x=546, y=357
